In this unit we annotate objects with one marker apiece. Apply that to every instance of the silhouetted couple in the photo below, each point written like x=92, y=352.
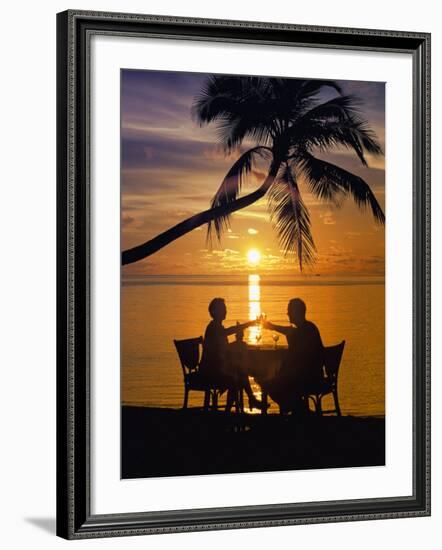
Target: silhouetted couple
x=300, y=371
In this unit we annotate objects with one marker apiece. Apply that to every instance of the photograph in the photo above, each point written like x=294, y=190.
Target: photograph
x=252, y=303
x=243, y=273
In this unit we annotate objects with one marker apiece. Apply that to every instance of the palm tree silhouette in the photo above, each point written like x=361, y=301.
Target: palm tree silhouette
x=286, y=123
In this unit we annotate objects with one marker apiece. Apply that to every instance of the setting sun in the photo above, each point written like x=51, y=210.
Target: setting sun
x=253, y=256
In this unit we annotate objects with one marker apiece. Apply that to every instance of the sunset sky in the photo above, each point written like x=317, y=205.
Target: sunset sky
x=171, y=168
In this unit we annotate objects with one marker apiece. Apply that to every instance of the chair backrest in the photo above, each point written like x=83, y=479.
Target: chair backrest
x=189, y=353
x=332, y=360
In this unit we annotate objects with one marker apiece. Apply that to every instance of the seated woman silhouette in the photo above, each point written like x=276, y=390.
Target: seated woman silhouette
x=301, y=369
x=215, y=362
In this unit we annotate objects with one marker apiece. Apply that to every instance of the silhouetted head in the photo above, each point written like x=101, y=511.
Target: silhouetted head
x=217, y=309
x=296, y=311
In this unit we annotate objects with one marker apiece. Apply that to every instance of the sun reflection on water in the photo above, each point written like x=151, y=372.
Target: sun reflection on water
x=255, y=332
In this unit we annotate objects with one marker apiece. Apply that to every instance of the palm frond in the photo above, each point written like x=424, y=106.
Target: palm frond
x=232, y=131
x=336, y=108
x=290, y=217
x=218, y=97
x=292, y=97
x=240, y=108
x=328, y=181
x=256, y=108
x=231, y=187
x=313, y=87
x=336, y=123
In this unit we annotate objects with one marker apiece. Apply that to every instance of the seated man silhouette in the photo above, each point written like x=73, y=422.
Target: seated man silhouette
x=301, y=370
x=215, y=362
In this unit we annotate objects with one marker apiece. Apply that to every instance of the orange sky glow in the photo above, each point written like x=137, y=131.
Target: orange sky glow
x=171, y=168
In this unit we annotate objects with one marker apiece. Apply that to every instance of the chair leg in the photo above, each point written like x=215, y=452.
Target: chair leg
x=237, y=403
x=241, y=400
x=215, y=400
x=338, y=408
x=319, y=405
x=206, y=400
x=186, y=397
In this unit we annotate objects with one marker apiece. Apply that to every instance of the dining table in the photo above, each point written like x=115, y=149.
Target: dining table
x=262, y=363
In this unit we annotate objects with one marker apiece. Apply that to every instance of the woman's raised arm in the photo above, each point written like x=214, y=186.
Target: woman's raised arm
x=243, y=326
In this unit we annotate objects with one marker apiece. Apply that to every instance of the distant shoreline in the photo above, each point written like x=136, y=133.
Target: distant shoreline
x=242, y=279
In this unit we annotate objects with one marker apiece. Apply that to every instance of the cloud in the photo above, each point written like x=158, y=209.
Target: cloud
x=327, y=217
x=127, y=220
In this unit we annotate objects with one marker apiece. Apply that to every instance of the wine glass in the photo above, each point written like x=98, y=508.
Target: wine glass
x=275, y=339
x=262, y=319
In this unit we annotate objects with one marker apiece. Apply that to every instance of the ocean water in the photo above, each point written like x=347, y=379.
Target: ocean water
x=157, y=309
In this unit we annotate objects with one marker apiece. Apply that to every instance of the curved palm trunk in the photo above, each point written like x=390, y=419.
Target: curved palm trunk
x=163, y=239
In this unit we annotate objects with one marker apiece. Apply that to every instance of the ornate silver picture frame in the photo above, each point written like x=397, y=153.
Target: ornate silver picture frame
x=75, y=516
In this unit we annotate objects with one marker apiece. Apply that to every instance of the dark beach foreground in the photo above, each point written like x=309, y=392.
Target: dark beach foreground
x=166, y=442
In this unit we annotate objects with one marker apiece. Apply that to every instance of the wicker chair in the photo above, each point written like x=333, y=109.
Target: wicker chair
x=189, y=354
x=329, y=384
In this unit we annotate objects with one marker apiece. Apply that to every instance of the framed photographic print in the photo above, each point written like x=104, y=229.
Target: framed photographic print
x=243, y=274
